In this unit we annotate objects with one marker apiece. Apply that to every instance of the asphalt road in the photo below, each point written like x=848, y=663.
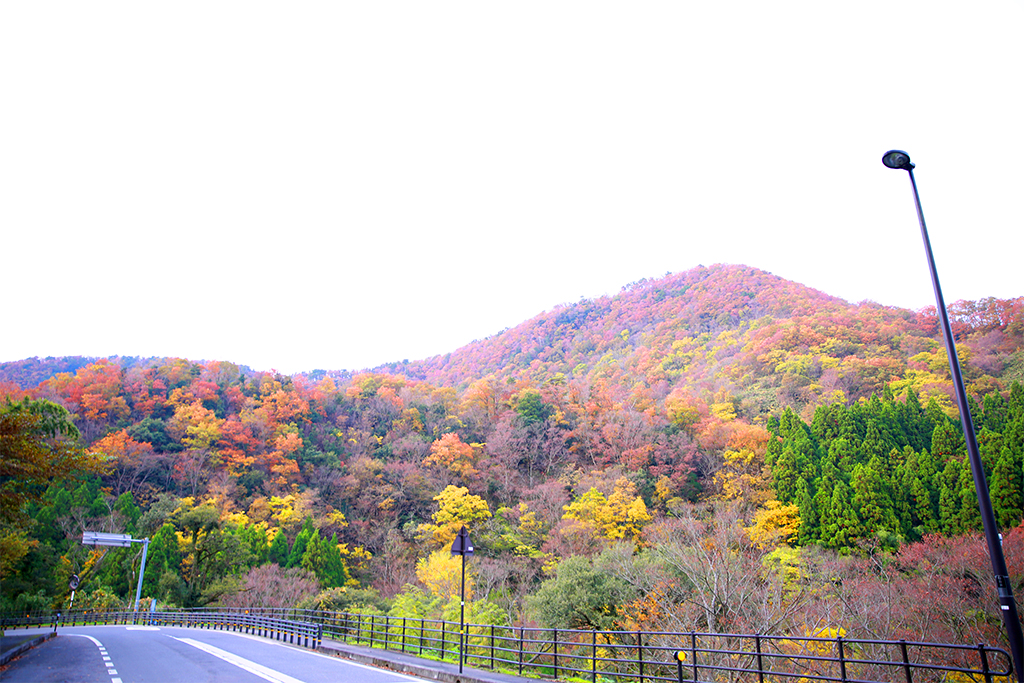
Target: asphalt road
x=148, y=654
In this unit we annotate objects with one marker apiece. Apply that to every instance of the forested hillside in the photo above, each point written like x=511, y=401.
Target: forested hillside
x=629, y=451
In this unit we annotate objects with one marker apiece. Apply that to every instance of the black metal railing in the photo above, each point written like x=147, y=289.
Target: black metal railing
x=304, y=633
x=600, y=656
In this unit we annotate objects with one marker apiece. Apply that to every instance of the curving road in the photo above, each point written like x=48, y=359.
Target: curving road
x=148, y=654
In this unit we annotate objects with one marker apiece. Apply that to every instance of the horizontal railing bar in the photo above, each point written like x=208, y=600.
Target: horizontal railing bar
x=623, y=654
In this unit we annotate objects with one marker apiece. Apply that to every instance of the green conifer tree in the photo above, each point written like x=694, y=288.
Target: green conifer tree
x=970, y=515
x=810, y=530
x=844, y=527
x=278, y=552
x=872, y=499
x=947, y=442
x=915, y=423
x=299, y=547
x=996, y=412
x=336, y=574
x=949, y=498
x=314, y=556
x=1007, y=490
x=1015, y=404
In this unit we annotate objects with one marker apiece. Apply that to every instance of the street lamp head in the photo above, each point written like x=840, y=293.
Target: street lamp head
x=897, y=159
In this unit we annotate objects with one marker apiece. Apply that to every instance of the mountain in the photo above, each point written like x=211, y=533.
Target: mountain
x=731, y=330
x=767, y=341
x=810, y=420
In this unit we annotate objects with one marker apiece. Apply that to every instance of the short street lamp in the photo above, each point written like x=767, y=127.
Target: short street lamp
x=464, y=547
x=900, y=160
x=95, y=538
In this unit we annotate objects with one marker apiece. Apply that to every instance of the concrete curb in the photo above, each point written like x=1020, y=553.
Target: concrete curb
x=27, y=645
x=432, y=670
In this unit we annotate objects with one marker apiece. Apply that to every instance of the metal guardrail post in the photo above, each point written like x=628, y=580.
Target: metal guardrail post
x=842, y=659
x=907, y=671
x=693, y=653
x=522, y=640
x=984, y=663
x=640, y=653
x=760, y=664
x=593, y=655
x=555, y=650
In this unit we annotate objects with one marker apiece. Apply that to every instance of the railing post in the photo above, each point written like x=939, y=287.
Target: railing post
x=984, y=663
x=640, y=653
x=443, y=650
x=554, y=633
x=906, y=662
x=522, y=640
x=842, y=659
x=403, y=634
x=760, y=665
x=693, y=653
x=593, y=655
x=492, y=647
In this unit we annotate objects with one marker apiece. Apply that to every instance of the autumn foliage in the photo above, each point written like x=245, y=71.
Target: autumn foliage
x=722, y=426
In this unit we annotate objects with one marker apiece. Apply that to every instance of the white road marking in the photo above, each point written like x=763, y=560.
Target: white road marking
x=313, y=653
x=263, y=672
x=95, y=642
x=103, y=653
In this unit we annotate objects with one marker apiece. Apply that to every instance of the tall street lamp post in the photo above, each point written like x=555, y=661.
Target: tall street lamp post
x=901, y=161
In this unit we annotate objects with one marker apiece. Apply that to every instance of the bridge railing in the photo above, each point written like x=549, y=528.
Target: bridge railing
x=298, y=632
x=600, y=656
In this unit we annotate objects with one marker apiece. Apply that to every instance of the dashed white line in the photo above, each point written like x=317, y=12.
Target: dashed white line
x=103, y=653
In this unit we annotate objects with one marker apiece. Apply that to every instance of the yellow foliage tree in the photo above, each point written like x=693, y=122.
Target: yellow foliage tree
x=743, y=476
x=441, y=573
x=683, y=409
x=774, y=524
x=617, y=516
x=456, y=507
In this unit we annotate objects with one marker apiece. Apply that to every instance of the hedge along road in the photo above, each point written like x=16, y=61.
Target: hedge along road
x=148, y=654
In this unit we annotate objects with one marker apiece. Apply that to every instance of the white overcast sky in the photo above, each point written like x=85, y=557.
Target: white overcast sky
x=336, y=185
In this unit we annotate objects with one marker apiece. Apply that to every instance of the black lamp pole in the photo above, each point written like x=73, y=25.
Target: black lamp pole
x=901, y=161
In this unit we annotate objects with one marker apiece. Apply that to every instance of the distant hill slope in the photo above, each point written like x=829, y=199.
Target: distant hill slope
x=745, y=335
x=29, y=372
x=733, y=329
